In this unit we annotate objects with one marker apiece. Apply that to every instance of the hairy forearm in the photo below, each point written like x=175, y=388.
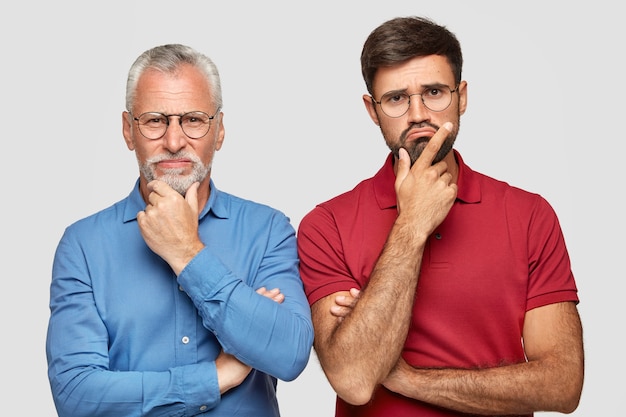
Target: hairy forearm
x=524, y=388
x=365, y=345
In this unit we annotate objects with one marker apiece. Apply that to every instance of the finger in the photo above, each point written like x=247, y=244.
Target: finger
x=158, y=187
x=432, y=147
x=446, y=177
x=191, y=196
x=342, y=300
x=268, y=293
x=153, y=198
x=272, y=293
x=265, y=291
x=346, y=301
x=337, y=310
x=404, y=165
x=355, y=292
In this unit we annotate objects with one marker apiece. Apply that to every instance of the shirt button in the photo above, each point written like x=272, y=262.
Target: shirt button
x=185, y=339
x=180, y=288
x=438, y=236
x=203, y=408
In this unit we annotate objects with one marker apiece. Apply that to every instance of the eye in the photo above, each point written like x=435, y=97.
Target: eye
x=394, y=99
x=153, y=119
x=433, y=93
x=195, y=119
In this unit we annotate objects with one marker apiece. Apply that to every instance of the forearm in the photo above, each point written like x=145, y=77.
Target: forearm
x=507, y=390
x=88, y=392
x=361, y=350
x=243, y=320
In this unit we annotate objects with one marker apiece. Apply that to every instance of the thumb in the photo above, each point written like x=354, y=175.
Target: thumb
x=404, y=166
x=191, y=197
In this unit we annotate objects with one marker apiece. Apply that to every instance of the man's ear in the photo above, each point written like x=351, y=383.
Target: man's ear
x=462, y=97
x=370, y=106
x=127, y=130
x=219, y=141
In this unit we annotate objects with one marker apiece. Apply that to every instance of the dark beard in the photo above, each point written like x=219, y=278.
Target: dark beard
x=415, y=148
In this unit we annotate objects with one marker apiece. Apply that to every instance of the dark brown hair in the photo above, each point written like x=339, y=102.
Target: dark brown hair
x=403, y=38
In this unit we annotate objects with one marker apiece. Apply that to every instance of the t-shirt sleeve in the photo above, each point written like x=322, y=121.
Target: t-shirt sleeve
x=323, y=268
x=551, y=279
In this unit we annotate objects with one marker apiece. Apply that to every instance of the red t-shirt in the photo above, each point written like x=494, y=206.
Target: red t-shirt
x=499, y=253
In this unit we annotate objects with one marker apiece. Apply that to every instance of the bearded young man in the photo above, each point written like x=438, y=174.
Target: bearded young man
x=436, y=290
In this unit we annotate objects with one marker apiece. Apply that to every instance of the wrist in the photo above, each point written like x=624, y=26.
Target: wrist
x=179, y=262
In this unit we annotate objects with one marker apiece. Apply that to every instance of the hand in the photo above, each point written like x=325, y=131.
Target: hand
x=169, y=224
x=231, y=371
x=345, y=303
x=273, y=294
x=425, y=191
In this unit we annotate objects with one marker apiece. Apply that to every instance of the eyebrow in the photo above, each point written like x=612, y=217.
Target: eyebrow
x=423, y=87
x=398, y=91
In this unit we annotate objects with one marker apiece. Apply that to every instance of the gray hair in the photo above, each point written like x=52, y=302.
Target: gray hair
x=167, y=59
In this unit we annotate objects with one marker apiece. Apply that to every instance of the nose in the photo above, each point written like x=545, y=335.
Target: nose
x=417, y=111
x=174, y=138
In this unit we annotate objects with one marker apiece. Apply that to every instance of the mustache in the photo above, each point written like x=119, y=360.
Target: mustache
x=168, y=155
x=414, y=126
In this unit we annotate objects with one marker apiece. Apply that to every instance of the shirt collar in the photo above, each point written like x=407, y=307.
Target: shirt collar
x=218, y=203
x=469, y=190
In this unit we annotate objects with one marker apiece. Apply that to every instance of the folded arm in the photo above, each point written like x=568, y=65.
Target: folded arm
x=551, y=379
x=275, y=338
x=358, y=351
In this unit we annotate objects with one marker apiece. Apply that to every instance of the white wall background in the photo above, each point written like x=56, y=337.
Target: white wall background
x=546, y=93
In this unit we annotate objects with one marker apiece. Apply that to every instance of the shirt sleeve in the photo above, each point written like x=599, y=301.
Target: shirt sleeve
x=271, y=337
x=550, y=273
x=323, y=266
x=78, y=361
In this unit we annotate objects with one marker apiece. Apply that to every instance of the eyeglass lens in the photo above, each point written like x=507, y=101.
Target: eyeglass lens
x=396, y=104
x=154, y=125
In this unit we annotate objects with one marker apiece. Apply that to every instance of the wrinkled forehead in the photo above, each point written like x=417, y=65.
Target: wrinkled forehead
x=414, y=75
x=176, y=92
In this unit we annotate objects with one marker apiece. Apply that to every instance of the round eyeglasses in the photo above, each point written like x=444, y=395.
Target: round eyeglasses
x=397, y=103
x=195, y=124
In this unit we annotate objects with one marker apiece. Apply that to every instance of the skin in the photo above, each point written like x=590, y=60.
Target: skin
x=169, y=222
x=359, y=335
x=413, y=130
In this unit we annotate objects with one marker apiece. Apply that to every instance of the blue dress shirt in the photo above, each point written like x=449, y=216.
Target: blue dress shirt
x=126, y=337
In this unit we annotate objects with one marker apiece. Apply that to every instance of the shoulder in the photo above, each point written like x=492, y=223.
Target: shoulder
x=240, y=205
x=517, y=202
x=371, y=194
x=342, y=205
x=476, y=186
x=100, y=219
x=251, y=216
